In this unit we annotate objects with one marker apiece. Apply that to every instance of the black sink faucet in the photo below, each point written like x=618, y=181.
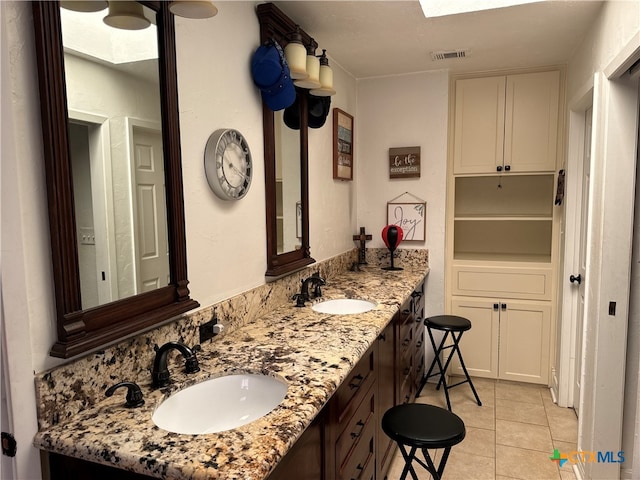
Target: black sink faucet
x=160, y=373
x=315, y=280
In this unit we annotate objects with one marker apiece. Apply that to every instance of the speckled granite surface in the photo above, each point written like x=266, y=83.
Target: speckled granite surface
x=313, y=352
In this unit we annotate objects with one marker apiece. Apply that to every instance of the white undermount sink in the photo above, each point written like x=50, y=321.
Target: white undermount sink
x=343, y=306
x=220, y=404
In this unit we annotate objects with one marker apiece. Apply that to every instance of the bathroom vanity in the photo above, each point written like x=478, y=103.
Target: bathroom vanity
x=342, y=372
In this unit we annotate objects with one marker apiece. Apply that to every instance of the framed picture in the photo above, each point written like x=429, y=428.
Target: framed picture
x=404, y=162
x=411, y=217
x=342, y=145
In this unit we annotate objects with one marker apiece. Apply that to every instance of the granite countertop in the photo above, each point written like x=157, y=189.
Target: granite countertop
x=313, y=352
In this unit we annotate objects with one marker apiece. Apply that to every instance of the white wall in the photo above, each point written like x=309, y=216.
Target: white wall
x=405, y=111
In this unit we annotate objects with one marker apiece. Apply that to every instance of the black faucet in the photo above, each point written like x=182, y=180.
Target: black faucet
x=304, y=295
x=134, y=394
x=160, y=373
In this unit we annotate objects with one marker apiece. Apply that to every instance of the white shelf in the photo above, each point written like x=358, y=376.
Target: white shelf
x=504, y=218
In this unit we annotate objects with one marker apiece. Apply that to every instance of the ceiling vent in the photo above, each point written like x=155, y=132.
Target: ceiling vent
x=446, y=55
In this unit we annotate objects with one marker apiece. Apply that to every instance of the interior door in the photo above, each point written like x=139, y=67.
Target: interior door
x=579, y=280
x=152, y=249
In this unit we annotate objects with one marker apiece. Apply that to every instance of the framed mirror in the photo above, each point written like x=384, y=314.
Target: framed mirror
x=286, y=165
x=113, y=170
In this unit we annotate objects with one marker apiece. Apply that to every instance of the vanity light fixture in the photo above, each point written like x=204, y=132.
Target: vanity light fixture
x=127, y=15
x=195, y=9
x=84, y=5
x=313, y=70
x=296, y=55
x=326, y=78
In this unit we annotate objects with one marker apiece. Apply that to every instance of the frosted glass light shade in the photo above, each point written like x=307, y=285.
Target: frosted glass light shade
x=296, y=56
x=84, y=5
x=326, y=78
x=126, y=15
x=193, y=8
x=313, y=72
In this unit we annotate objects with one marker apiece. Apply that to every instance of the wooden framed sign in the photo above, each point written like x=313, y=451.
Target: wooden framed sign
x=404, y=162
x=342, y=145
x=411, y=217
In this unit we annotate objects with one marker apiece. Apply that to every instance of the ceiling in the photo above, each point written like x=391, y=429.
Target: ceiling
x=378, y=38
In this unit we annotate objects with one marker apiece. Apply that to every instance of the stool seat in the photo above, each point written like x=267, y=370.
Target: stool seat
x=423, y=426
x=449, y=323
x=416, y=426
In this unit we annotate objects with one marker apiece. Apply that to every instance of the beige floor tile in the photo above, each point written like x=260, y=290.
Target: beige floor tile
x=520, y=412
x=465, y=466
x=524, y=435
x=525, y=464
x=563, y=427
x=566, y=448
x=478, y=441
x=567, y=474
x=502, y=477
x=519, y=392
x=474, y=416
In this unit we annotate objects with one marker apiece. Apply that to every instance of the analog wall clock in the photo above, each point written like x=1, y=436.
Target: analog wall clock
x=227, y=164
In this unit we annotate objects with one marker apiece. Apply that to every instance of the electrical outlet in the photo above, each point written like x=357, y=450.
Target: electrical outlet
x=208, y=330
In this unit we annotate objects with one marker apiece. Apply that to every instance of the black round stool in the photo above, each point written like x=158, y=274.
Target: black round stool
x=421, y=426
x=454, y=326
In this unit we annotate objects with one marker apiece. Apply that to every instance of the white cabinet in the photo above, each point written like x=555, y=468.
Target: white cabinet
x=509, y=339
x=506, y=123
x=502, y=225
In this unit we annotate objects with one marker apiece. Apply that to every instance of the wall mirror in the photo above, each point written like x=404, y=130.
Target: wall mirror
x=286, y=165
x=114, y=179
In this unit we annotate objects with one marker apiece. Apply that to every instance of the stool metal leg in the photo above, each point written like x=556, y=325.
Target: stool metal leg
x=456, y=347
x=436, y=359
x=408, y=462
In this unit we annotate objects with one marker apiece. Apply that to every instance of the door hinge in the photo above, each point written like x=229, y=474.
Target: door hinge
x=9, y=445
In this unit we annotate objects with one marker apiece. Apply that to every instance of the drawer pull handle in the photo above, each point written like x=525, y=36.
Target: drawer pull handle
x=356, y=382
x=357, y=434
x=419, y=344
x=495, y=306
x=382, y=337
x=406, y=342
x=503, y=306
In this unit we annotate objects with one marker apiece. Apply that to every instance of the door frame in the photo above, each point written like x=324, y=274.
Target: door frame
x=611, y=207
x=563, y=378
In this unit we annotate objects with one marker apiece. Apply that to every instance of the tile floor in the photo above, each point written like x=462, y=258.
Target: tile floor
x=511, y=436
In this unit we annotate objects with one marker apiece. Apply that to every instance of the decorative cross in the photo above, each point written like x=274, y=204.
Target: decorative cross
x=362, y=238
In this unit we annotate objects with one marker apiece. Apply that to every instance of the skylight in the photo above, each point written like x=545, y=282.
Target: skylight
x=440, y=8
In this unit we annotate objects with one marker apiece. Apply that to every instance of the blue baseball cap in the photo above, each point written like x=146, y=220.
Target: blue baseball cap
x=271, y=75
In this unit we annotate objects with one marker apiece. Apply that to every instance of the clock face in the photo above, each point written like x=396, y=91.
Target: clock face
x=228, y=166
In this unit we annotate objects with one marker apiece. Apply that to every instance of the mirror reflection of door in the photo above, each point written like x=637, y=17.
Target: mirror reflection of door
x=150, y=225
x=112, y=85
x=288, y=184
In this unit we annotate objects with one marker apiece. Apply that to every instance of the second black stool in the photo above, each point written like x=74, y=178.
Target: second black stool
x=454, y=326
x=420, y=426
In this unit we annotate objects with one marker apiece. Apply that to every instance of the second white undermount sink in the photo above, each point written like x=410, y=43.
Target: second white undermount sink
x=220, y=404
x=343, y=306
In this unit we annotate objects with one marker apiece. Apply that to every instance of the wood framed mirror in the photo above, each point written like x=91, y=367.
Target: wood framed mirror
x=286, y=164
x=93, y=308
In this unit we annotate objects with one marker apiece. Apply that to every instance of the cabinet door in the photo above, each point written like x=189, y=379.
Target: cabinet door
x=479, y=125
x=386, y=395
x=531, y=121
x=479, y=346
x=306, y=457
x=524, y=341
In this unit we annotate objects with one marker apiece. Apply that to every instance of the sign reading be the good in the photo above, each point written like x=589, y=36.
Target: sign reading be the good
x=404, y=162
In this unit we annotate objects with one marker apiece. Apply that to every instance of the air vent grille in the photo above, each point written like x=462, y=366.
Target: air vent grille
x=446, y=55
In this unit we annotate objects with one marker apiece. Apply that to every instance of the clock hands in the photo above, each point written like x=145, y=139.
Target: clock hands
x=237, y=170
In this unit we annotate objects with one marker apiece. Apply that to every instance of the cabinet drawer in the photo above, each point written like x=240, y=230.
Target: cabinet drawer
x=355, y=386
x=356, y=429
x=361, y=458
x=532, y=283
